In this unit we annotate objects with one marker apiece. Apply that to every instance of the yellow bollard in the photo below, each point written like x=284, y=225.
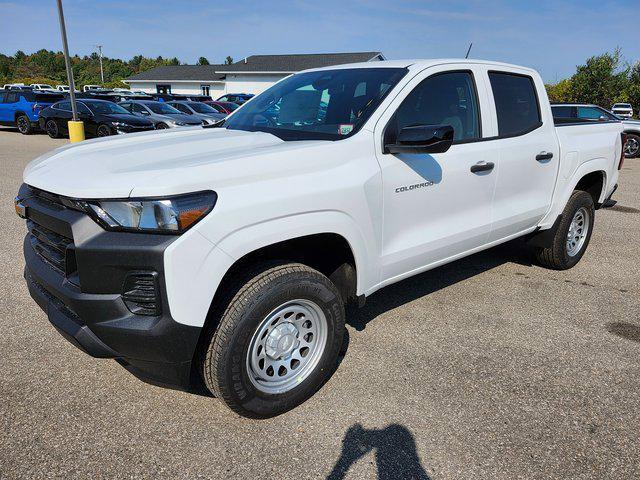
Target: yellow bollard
x=76, y=131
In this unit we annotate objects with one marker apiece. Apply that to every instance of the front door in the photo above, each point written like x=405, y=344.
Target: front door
x=436, y=206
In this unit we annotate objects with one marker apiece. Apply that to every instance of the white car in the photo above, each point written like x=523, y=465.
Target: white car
x=62, y=88
x=88, y=88
x=42, y=86
x=226, y=255
x=13, y=86
x=624, y=110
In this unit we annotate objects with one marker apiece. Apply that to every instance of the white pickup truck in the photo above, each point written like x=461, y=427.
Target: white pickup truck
x=224, y=256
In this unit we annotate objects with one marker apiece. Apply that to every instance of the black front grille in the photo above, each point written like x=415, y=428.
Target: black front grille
x=55, y=249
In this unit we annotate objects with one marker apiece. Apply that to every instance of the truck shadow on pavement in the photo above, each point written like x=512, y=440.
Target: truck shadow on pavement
x=393, y=296
x=395, y=453
x=625, y=330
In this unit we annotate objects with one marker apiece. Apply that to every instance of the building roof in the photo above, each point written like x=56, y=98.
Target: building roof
x=182, y=72
x=296, y=62
x=254, y=64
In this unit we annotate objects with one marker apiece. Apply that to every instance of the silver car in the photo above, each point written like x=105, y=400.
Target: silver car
x=161, y=114
x=199, y=110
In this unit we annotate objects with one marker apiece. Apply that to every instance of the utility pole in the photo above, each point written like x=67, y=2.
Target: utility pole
x=99, y=47
x=76, y=128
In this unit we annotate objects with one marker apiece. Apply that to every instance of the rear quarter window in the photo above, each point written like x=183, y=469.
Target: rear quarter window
x=516, y=103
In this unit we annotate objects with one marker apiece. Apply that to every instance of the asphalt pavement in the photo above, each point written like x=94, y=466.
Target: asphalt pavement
x=489, y=368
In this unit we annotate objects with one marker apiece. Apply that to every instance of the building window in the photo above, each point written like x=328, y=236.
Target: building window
x=205, y=89
x=163, y=89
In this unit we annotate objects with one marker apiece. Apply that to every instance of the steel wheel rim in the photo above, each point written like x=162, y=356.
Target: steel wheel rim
x=22, y=124
x=631, y=147
x=103, y=132
x=52, y=128
x=578, y=230
x=287, y=346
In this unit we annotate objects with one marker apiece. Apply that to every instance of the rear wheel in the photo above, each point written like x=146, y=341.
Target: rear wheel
x=573, y=234
x=52, y=129
x=24, y=124
x=103, y=131
x=277, y=341
x=632, y=146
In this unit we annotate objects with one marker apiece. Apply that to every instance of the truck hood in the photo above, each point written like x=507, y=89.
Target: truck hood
x=161, y=163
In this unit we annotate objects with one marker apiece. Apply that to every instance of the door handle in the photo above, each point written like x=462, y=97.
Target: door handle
x=542, y=156
x=482, y=167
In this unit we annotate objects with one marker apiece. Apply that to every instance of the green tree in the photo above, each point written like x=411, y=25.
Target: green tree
x=203, y=61
x=228, y=60
x=633, y=87
x=601, y=81
x=561, y=91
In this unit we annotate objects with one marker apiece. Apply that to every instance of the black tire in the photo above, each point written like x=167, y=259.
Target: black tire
x=224, y=359
x=161, y=126
x=103, y=131
x=632, y=147
x=23, y=124
x=557, y=256
x=52, y=129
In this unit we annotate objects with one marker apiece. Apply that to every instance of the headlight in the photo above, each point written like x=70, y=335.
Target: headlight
x=119, y=124
x=169, y=215
x=179, y=124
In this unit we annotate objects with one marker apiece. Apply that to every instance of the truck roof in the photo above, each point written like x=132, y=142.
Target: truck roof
x=420, y=64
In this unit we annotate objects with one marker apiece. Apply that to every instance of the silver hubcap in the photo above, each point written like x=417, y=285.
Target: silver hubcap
x=287, y=346
x=22, y=124
x=578, y=232
x=631, y=147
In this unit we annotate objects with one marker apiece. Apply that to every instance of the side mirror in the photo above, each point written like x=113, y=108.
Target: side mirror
x=144, y=112
x=602, y=118
x=422, y=139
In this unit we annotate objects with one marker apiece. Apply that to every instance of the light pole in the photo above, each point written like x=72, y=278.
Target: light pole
x=76, y=128
x=99, y=47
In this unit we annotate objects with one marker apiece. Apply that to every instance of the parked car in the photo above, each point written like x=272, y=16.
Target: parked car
x=101, y=118
x=42, y=86
x=571, y=112
x=160, y=113
x=87, y=88
x=231, y=253
x=207, y=114
x=20, y=108
x=237, y=98
x=13, y=86
x=624, y=110
x=223, y=107
x=63, y=88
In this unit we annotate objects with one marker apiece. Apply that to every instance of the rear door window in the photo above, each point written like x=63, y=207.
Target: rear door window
x=516, y=103
x=11, y=98
x=563, y=111
x=65, y=106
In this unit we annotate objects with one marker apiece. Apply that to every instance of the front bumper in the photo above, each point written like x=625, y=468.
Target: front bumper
x=87, y=306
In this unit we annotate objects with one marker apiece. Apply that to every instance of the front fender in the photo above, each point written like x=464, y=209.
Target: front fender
x=195, y=267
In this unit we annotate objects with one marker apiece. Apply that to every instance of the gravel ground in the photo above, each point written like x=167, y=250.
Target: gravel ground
x=490, y=367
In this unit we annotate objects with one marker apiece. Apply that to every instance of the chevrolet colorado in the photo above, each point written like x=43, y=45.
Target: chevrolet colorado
x=224, y=256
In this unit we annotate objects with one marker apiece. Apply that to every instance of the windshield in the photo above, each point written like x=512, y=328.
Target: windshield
x=106, y=108
x=322, y=105
x=202, y=108
x=162, y=108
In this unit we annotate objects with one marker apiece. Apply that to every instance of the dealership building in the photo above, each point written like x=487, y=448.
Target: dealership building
x=253, y=74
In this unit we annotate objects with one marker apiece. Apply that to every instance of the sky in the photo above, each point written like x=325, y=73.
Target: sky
x=550, y=36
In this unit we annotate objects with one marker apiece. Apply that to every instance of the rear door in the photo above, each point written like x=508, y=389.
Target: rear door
x=435, y=207
x=9, y=106
x=63, y=115
x=529, y=152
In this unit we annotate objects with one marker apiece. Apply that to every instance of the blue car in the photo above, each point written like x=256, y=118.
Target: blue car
x=20, y=108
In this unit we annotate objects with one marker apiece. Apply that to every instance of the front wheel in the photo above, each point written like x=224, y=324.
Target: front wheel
x=632, y=146
x=573, y=234
x=52, y=129
x=24, y=124
x=277, y=341
x=161, y=126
